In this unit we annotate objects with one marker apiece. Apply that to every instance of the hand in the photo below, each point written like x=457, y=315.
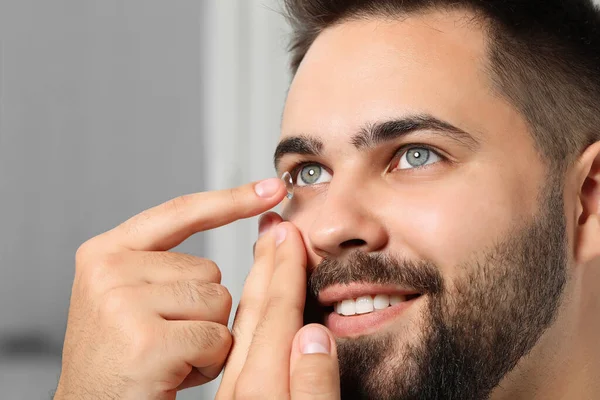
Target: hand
x=144, y=322
x=274, y=357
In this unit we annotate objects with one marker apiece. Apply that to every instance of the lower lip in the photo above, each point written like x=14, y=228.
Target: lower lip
x=364, y=324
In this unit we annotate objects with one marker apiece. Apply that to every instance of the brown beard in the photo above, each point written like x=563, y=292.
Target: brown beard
x=475, y=329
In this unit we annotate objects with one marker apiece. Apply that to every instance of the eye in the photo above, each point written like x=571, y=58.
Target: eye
x=311, y=174
x=418, y=156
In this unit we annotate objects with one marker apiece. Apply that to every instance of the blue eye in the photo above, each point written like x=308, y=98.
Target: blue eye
x=416, y=157
x=312, y=174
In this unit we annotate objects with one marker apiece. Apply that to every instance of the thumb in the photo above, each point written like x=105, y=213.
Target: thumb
x=314, y=370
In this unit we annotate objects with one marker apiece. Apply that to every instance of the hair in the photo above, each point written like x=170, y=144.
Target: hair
x=544, y=58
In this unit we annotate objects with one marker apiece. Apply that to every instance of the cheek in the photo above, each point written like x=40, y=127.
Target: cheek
x=449, y=222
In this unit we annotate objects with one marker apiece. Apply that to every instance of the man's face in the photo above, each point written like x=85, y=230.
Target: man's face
x=415, y=181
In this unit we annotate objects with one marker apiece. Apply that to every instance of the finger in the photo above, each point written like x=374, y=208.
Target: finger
x=251, y=303
x=129, y=268
x=202, y=345
x=265, y=223
x=167, y=225
x=188, y=300
x=314, y=365
x=269, y=355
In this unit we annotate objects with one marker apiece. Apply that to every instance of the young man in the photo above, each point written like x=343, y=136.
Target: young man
x=445, y=225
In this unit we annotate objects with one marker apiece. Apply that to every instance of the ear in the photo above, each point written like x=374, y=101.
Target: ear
x=588, y=227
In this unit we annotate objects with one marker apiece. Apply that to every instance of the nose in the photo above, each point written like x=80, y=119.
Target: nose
x=346, y=221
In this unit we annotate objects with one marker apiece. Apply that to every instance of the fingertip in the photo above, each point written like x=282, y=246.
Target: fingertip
x=315, y=339
x=280, y=234
x=314, y=368
x=265, y=223
x=269, y=188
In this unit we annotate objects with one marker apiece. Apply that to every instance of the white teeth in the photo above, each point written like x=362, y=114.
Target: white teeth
x=397, y=299
x=381, y=301
x=348, y=307
x=364, y=305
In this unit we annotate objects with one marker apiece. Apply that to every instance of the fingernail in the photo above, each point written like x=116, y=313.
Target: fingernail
x=268, y=187
x=315, y=340
x=264, y=224
x=280, y=234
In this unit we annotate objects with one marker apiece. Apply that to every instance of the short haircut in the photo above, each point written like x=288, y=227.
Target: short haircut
x=544, y=58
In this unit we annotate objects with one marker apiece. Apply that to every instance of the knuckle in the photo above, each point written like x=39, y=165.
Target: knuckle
x=115, y=302
x=210, y=293
x=81, y=254
x=102, y=274
x=209, y=336
x=219, y=291
x=212, y=271
x=85, y=251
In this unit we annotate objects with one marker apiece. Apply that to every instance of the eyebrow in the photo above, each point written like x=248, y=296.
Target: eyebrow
x=375, y=134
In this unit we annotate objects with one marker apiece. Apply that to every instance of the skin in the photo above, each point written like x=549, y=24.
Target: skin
x=361, y=72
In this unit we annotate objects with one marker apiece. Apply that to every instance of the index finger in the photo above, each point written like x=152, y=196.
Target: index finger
x=167, y=225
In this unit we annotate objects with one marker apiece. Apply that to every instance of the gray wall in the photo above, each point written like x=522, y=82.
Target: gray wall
x=100, y=118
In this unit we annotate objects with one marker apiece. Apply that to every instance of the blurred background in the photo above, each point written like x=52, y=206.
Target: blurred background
x=108, y=107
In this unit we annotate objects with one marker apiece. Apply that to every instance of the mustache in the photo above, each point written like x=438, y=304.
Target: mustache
x=421, y=276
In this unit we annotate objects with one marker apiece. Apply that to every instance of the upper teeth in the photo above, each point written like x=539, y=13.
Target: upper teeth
x=366, y=304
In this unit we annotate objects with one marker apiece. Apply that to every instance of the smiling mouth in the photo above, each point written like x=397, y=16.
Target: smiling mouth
x=361, y=309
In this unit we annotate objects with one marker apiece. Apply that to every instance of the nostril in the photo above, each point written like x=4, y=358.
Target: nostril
x=352, y=243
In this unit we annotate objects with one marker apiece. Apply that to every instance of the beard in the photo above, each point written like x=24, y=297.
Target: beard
x=474, y=330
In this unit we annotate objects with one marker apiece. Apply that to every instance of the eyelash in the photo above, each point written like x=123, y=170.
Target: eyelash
x=295, y=169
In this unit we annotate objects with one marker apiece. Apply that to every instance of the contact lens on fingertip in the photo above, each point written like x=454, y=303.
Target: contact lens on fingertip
x=289, y=184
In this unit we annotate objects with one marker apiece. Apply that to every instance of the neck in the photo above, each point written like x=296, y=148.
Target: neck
x=565, y=363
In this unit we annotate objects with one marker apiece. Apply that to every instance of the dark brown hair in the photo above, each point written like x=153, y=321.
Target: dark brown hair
x=544, y=57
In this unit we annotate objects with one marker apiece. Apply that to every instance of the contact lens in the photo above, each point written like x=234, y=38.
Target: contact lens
x=289, y=184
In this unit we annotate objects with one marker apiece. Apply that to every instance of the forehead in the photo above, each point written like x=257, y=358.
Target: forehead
x=365, y=70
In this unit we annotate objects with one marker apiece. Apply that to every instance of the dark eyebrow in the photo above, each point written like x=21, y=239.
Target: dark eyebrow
x=297, y=145
x=377, y=133
x=380, y=132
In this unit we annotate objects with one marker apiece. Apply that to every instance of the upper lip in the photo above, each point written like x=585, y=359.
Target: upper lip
x=335, y=293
